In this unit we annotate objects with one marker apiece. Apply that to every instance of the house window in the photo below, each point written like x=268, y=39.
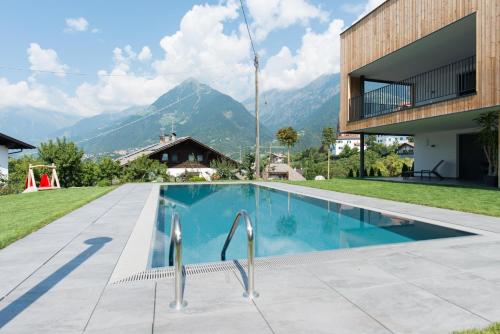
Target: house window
x=191, y=157
x=164, y=157
x=174, y=157
x=199, y=157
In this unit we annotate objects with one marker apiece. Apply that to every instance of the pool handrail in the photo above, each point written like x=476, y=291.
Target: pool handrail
x=176, y=244
x=250, y=292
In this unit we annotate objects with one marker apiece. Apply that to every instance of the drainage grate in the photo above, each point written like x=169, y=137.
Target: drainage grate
x=203, y=269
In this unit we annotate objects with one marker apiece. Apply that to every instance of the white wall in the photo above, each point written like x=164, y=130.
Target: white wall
x=4, y=160
x=430, y=148
x=179, y=171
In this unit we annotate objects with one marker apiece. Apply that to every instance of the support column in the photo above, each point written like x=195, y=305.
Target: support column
x=361, y=155
x=498, y=165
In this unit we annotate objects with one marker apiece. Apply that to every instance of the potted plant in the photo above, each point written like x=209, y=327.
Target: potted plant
x=488, y=137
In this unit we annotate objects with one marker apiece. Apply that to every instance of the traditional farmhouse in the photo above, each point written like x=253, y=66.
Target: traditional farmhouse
x=426, y=69
x=181, y=155
x=8, y=143
x=405, y=150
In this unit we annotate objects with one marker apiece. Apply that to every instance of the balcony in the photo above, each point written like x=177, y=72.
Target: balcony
x=444, y=83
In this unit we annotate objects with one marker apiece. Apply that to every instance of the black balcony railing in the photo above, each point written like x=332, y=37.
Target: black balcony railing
x=440, y=84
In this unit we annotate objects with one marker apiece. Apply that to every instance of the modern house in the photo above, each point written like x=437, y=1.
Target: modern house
x=8, y=143
x=428, y=69
x=345, y=139
x=181, y=155
x=391, y=140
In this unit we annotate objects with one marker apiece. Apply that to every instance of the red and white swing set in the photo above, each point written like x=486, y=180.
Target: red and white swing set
x=44, y=180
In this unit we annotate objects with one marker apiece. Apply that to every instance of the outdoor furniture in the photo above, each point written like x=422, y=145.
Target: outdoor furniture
x=429, y=172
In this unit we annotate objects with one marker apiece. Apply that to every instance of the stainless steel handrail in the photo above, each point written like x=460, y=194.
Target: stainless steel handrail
x=176, y=244
x=250, y=293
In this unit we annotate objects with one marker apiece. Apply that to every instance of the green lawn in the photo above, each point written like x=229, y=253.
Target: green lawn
x=22, y=214
x=476, y=200
x=492, y=329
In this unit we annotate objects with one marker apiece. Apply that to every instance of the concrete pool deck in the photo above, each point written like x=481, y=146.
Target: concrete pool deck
x=57, y=280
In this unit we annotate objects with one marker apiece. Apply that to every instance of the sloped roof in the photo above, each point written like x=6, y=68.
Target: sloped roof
x=152, y=149
x=13, y=143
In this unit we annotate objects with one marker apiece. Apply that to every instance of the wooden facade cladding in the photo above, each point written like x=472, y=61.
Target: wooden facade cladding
x=398, y=23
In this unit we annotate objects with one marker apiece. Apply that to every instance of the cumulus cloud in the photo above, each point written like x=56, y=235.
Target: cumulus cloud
x=318, y=54
x=202, y=49
x=208, y=46
x=45, y=59
x=145, y=54
x=76, y=24
x=369, y=6
x=272, y=14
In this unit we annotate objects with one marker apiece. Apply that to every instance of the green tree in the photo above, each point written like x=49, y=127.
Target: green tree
x=488, y=137
x=144, y=169
x=328, y=139
x=108, y=169
x=287, y=137
x=67, y=157
x=247, y=163
x=89, y=175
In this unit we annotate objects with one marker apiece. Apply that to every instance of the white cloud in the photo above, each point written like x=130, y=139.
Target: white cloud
x=45, y=59
x=369, y=6
x=202, y=49
x=273, y=14
x=76, y=24
x=353, y=8
x=145, y=54
x=318, y=54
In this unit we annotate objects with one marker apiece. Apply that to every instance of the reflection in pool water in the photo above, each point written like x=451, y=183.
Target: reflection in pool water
x=285, y=223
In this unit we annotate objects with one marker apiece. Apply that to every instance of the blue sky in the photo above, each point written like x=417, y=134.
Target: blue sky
x=150, y=46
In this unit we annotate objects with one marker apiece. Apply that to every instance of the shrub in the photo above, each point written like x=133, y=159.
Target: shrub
x=196, y=179
x=104, y=183
x=372, y=172
x=144, y=169
x=351, y=173
x=357, y=172
x=225, y=169
x=108, y=169
x=379, y=173
x=67, y=157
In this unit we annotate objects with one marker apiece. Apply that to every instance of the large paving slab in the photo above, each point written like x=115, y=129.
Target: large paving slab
x=57, y=280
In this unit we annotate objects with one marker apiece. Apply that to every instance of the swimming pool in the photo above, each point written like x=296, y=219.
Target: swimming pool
x=284, y=223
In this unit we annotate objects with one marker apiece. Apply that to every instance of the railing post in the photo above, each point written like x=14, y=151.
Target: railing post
x=176, y=237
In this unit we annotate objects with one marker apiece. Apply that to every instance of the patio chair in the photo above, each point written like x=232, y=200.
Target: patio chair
x=429, y=172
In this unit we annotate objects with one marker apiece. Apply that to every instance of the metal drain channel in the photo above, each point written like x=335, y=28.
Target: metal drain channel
x=208, y=268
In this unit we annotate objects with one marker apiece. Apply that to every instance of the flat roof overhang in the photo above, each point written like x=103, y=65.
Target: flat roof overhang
x=455, y=121
x=447, y=45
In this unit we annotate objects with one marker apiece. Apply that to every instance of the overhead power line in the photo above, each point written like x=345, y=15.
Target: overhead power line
x=248, y=28
x=137, y=120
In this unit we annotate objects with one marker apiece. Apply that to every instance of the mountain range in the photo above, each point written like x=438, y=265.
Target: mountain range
x=308, y=109
x=193, y=109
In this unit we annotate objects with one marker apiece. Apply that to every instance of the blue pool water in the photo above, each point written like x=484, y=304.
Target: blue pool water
x=285, y=223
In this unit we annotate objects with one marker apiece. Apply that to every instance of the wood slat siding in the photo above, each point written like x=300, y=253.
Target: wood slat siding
x=397, y=23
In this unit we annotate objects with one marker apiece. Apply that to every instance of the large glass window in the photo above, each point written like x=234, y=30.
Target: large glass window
x=174, y=157
x=164, y=157
x=199, y=157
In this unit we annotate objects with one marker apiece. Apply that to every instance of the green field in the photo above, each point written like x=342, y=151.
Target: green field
x=22, y=214
x=492, y=329
x=484, y=201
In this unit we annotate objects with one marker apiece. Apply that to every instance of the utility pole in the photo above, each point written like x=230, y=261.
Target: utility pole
x=257, y=122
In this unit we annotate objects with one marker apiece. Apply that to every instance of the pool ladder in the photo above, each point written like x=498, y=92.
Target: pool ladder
x=176, y=243
x=176, y=246
x=250, y=292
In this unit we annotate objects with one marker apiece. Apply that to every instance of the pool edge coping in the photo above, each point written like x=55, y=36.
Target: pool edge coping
x=135, y=256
